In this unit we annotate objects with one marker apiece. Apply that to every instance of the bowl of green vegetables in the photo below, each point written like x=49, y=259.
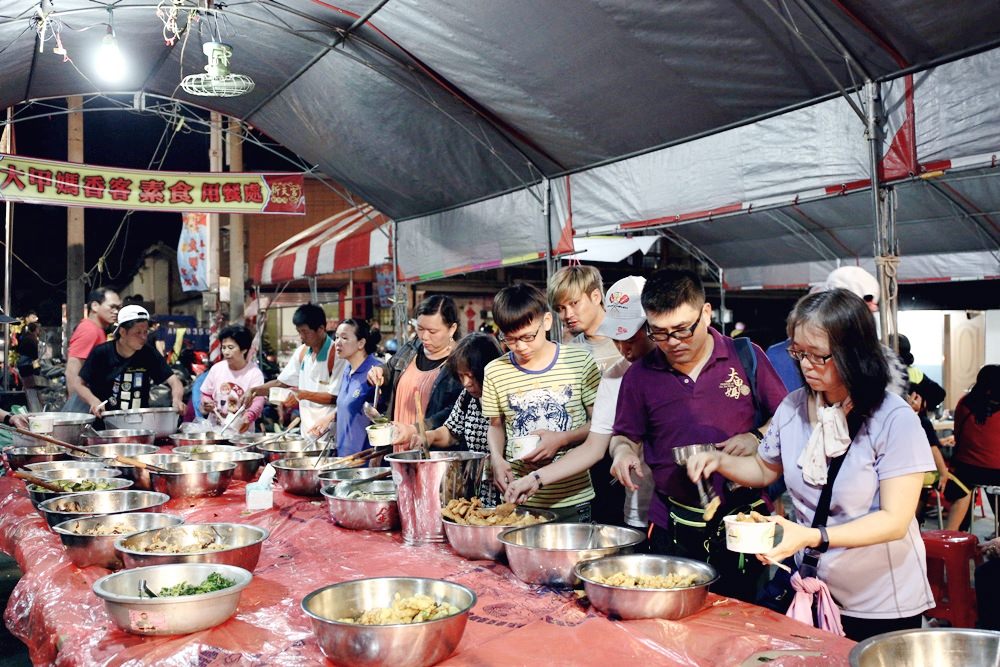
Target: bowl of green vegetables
x=174, y=599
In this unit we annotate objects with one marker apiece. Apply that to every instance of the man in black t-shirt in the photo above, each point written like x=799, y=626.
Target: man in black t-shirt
x=122, y=371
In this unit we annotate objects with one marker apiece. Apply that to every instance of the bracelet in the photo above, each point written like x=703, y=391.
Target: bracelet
x=538, y=478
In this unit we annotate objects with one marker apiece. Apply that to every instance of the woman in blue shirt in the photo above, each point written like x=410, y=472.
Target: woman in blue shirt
x=355, y=343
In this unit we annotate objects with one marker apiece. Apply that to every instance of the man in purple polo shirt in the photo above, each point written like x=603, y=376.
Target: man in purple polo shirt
x=692, y=389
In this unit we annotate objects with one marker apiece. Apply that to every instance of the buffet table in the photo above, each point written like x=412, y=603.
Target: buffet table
x=55, y=613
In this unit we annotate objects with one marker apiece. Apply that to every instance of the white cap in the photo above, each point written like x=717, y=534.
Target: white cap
x=623, y=312
x=131, y=314
x=854, y=279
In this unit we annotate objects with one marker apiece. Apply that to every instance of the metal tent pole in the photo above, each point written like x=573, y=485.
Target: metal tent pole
x=8, y=252
x=886, y=246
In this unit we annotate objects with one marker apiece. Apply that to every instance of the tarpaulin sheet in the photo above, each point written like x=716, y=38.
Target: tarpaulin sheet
x=54, y=611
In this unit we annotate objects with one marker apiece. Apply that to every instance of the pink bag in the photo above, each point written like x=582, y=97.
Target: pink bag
x=827, y=613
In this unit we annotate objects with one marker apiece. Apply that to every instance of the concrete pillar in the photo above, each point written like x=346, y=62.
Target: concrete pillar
x=237, y=238
x=213, y=257
x=75, y=287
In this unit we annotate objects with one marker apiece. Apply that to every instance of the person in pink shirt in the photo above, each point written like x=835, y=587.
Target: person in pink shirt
x=229, y=380
x=103, y=305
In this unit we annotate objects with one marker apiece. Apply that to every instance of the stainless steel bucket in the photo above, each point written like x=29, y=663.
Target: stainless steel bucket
x=424, y=485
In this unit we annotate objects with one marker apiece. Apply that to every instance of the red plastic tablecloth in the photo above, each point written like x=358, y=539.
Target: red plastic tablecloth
x=54, y=611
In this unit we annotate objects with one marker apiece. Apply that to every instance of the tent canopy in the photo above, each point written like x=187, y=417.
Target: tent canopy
x=438, y=105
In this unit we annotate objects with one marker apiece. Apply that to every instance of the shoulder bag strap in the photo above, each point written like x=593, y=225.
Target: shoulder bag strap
x=825, y=496
x=747, y=356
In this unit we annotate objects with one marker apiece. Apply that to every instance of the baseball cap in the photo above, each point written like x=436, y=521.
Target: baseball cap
x=623, y=314
x=131, y=314
x=854, y=279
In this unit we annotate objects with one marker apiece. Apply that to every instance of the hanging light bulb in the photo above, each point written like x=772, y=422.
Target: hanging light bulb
x=109, y=62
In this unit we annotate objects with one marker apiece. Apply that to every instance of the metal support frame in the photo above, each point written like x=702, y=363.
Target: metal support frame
x=706, y=261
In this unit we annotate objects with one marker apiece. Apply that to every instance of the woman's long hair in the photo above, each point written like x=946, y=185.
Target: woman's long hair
x=984, y=397
x=857, y=352
x=472, y=353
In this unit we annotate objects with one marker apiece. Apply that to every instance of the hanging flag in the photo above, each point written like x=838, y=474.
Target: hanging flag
x=192, y=252
x=214, y=345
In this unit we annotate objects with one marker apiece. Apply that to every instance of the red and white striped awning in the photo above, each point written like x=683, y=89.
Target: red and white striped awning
x=353, y=239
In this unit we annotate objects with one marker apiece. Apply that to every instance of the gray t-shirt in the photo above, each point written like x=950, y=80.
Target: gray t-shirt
x=601, y=348
x=886, y=580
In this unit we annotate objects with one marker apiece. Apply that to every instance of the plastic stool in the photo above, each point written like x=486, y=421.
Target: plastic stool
x=931, y=491
x=950, y=557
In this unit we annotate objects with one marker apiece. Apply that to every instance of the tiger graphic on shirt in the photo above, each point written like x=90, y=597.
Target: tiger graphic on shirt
x=542, y=409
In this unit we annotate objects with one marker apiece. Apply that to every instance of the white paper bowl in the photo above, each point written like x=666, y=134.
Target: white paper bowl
x=748, y=537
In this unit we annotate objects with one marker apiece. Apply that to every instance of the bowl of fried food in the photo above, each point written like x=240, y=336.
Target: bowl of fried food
x=635, y=586
x=174, y=599
x=236, y=544
x=91, y=541
x=39, y=494
x=398, y=621
x=749, y=533
x=474, y=530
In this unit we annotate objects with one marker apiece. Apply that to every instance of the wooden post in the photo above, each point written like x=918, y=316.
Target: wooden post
x=75, y=287
x=237, y=238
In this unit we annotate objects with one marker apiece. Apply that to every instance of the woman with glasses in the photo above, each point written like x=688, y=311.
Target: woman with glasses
x=869, y=550
x=419, y=369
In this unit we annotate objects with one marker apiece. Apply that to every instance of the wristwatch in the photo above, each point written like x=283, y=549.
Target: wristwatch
x=538, y=478
x=824, y=540
x=755, y=432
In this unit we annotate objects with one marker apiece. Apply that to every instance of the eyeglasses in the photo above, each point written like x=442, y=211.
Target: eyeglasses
x=511, y=341
x=680, y=334
x=814, y=359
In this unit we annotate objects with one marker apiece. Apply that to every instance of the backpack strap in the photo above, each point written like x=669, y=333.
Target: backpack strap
x=748, y=357
x=331, y=358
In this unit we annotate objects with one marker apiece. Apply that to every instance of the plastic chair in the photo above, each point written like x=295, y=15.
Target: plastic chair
x=951, y=555
x=932, y=492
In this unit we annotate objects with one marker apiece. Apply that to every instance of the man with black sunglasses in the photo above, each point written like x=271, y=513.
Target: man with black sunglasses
x=693, y=388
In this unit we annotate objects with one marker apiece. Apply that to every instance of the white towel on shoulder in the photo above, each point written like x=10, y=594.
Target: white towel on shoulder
x=829, y=439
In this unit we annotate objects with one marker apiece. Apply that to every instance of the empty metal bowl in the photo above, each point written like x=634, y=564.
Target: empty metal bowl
x=247, y=463
x=682, y=454
x=930, y=647
x=300, y=476
x=483, y=542
x=193, y=479
x=21, y=457
x=400, y=645
x=192, y=450
x=198, y=439
x=66, y=426
x=377, y=511
x=631, y=603
x=170, y=615
x=43, y=466
x=91, y=541
x=141, y=475
x=162, y=421
x=84, y=472
x=109, y=452
x=113, y=436
x=335, y=476
x=286, y=449
x=546, y=553
x=248, y=441
x=39, y=495
x=241, y=544
x=94, y=503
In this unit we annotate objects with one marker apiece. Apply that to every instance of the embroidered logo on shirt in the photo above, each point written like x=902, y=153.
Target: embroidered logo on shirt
x=734, y=386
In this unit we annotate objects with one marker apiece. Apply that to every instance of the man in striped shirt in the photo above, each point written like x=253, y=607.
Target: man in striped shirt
x=538, y=388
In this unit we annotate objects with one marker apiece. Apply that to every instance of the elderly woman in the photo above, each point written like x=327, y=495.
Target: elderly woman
x=230, y=379
x=466, y=426
x=870, y=553
x=419, y=368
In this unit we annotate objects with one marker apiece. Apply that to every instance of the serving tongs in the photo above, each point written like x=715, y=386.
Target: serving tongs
x=144, y=590
x=425, y=447
x=277, y=436
x=232, y=418
x=125, y=460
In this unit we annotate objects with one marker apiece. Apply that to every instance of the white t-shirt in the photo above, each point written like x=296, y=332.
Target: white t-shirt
x=602, y=421
x=312, y=372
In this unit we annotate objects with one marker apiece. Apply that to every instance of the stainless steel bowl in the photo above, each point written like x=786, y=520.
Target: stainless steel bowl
x=483, y=542
x=162, y=421
x=76, y=473
x=401, y=645
x=140, y=436
x=66, y=426
x=631, y=603
x=335, y=476
x=288, y=449
x=94, y=503
x=170, y=615
x=546, y=553
x=247, y=463
x=141, y=475
x=931, y=647
x=191, y=450
x=193, y=479
x=378, y=513
x=300, y=476
x=21, y=457
x=197, y=439
x=248, y=441
x=108, y=453
x=242, y=544
x=39, y=495
x=86, y=549
x=43, y=466
x=682, y=454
